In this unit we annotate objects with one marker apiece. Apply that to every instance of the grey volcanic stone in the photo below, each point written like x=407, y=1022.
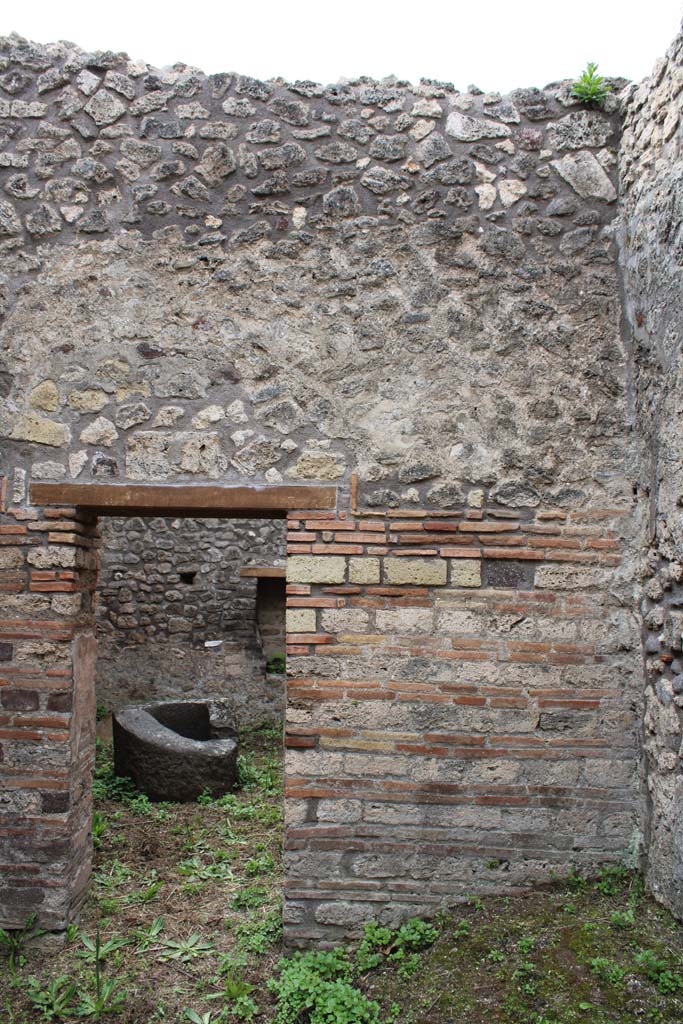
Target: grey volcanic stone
x=9, y=221
x=43, y=221
x=354, y=128
x=150, y=102
x=291, y=111
x=143, y=153
x=516, y=494
x=52, y=79
x=433, y=148
x=14, y=81
x=174, y=751
x=337, y=153
x=342, y=202
x=380, y=181
x=105, y=108
x=388, y=147
x=253, y=87
x=306, y=179
x=504, y=110
x=457, y=172
x=193, y=188
x=92, y=170
x=238, y=108
x=469, y=129
x=264, y=131
x=306, y=88
x=131, y=415
x=156, y=128
x=282, y=156
x=532, y=103
x=579, y=130
x=277, y=185
x=121, y=84
x=217, y=163
x=416, y=471
x=94, y=222
x=563, y=206
x=586, y=176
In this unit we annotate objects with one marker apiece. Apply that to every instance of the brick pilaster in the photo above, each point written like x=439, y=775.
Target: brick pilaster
x=48, y=561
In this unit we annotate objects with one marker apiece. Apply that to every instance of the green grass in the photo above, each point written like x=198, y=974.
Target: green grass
x=183, y=924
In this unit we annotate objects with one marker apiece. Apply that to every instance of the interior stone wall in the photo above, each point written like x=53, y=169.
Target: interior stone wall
x=447, y=320
x=409, y=292
x=270, y=616
x=176, y=619
x=652, y=258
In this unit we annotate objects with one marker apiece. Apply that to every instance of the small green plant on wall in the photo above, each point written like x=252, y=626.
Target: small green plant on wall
x=276, y=664
x=591, y=87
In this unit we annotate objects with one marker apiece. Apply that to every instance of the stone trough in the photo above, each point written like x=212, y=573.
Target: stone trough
x=176, y=750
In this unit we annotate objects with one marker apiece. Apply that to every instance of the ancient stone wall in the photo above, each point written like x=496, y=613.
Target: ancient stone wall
x=176, y=619
x=652, y=258
x=175, y=354
x=409, y=292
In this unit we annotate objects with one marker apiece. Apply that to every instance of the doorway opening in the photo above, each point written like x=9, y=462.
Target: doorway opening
x=184, y=614
x=218, y=863
x=184, y=611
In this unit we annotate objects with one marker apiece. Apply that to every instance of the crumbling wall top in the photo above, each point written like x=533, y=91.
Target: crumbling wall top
x=95, y=142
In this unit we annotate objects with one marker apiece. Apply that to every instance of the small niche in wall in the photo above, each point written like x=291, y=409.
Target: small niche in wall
x=271, y=587
x=270, y=614
x=187, y=576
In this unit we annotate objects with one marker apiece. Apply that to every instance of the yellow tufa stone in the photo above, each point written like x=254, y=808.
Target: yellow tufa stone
x=205, y=417
x=362, y=639
x=11, y=558
x=339, y=620
x=316, y=569
x=466, y=572
x=45, y=396
x=421, y=571
x=77, y=462
x=51, y=556
x=135, y=389
x=88, y=400
x=66, y=604
x=201, y=453
x=41, y=431
x=317, y=466
x=363, y=570
x=300, y=620
x=100, y=431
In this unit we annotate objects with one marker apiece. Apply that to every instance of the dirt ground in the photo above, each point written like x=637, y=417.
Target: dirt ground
x=182, y=924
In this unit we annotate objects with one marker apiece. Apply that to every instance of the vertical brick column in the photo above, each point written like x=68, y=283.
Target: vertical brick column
x=48, y=562
x=461, y=713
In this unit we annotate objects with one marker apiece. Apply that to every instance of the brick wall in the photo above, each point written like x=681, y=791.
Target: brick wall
x=47, y=713
x=459, y=715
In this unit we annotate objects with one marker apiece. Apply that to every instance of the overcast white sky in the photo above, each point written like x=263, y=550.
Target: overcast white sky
x=495, y=44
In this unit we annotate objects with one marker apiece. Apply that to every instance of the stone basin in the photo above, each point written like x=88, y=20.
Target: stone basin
x=176, y=750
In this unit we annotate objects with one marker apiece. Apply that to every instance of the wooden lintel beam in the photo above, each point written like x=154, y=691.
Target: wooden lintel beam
x=264, y=572
x=200, y=500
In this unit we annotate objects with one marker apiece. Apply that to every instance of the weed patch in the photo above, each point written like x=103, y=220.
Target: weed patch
x=183, y=925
